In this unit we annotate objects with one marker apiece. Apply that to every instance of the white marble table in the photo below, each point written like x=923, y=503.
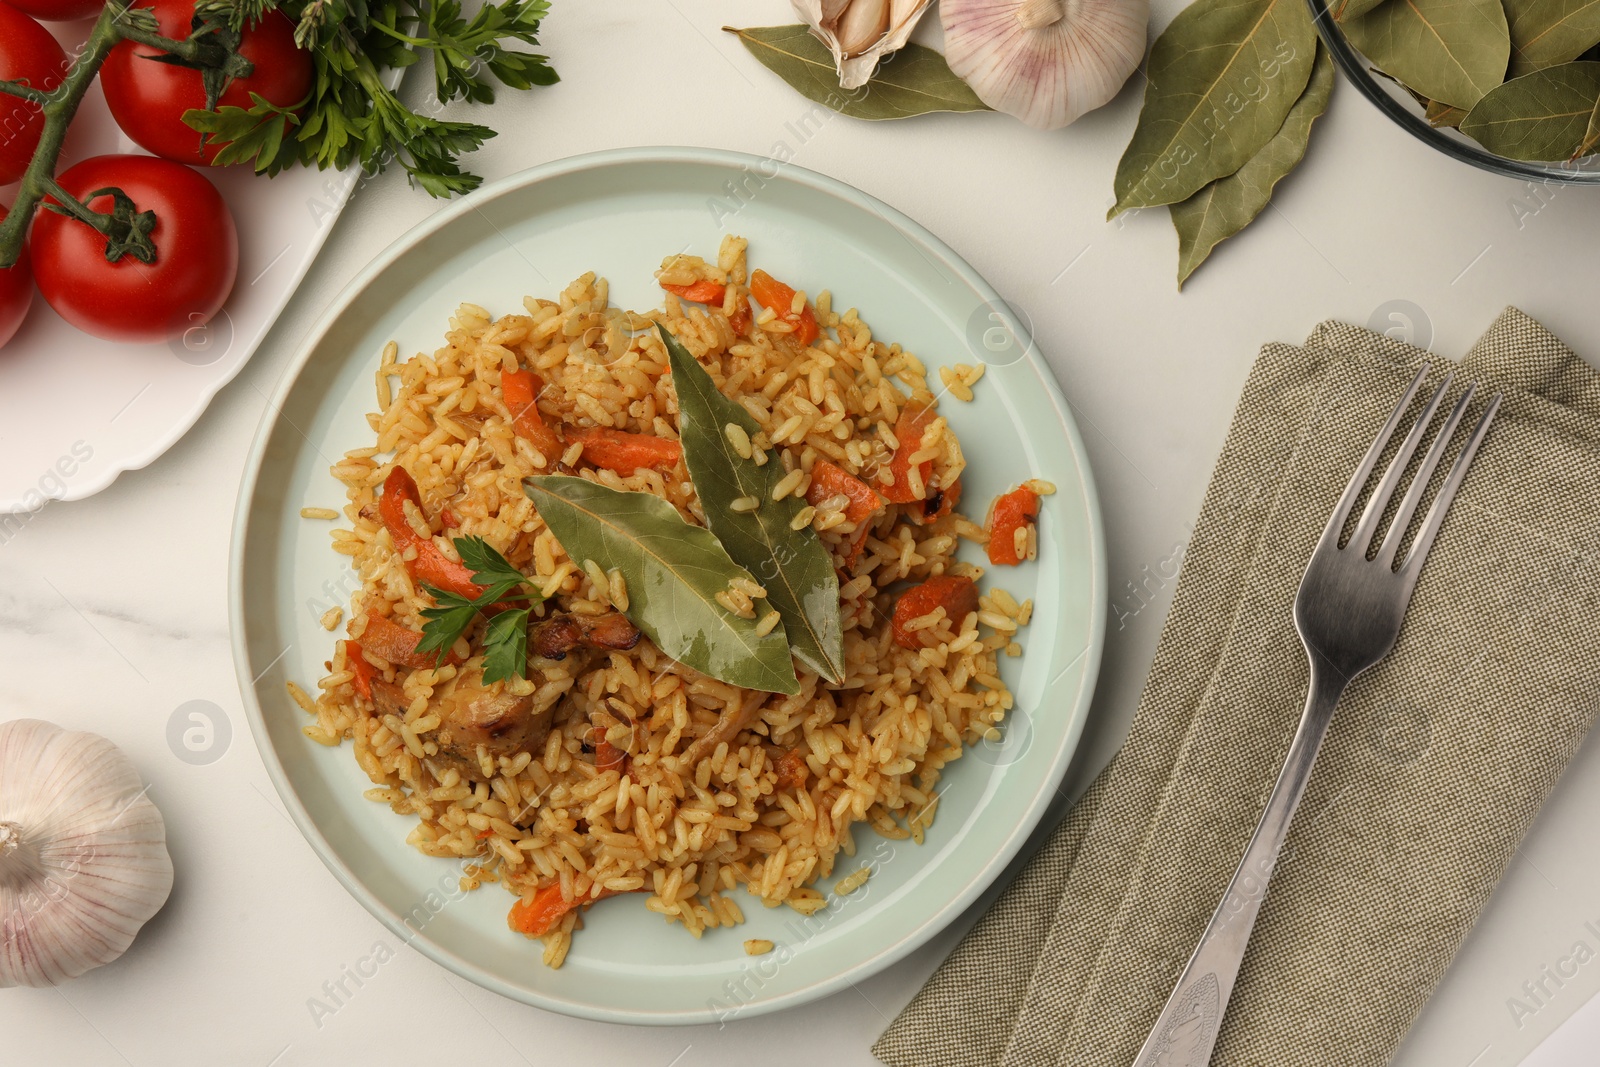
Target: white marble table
x=113, y=609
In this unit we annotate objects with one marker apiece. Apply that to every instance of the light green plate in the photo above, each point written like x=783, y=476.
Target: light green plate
x=618, y=213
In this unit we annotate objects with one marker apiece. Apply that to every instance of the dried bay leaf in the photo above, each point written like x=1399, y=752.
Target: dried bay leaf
x=913, y=81
x=1451, y=51
x=1591, y=135
x=1547, y=32
x=674, y=572
x=1439, y=114
x=1222, y=78
x=791, y=564
x=1228, y=204
x=1436, y=113
x=1539, y=117
x=1352, y=9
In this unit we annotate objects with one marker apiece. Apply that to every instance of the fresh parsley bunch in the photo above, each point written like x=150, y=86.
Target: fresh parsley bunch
x=351, y=116
x=505, y=640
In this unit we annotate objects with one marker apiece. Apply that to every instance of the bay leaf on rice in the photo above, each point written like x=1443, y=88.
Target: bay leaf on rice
x=915, y=80
x=1450, y=51
x=792, y=565
x=1222, y=78
x=1545, y=33
x=1229, y=204
x=1539, y=117
x=674, y=572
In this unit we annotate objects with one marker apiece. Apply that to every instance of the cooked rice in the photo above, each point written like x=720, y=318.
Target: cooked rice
x=857, y=878
x=687, y=833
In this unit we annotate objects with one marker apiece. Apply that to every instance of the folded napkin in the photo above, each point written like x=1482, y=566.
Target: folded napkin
x=1435, y=765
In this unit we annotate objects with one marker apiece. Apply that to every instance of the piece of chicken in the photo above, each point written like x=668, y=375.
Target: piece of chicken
x=493, y=718
x=472, y=714
x=560, y=634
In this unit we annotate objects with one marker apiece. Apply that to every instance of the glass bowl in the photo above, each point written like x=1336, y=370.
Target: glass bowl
x=1391, y=98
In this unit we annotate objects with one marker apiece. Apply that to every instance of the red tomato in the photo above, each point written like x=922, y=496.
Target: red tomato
x=59, y=10
x=148, y=99
x=197, y=252
x=16, y=295
x=27, y=54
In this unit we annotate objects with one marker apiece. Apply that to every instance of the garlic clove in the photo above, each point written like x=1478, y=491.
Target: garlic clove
x=1046, y=62
x=83, y=855
x=860, y=33
x=862, y=23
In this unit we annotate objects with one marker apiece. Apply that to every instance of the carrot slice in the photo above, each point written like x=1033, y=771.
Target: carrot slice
x=521, y=390
x=830, y=480
x=616, y=450
x=703, y=291
x=395, y=643
x=359, y=666
x=429, y=565
x=958, y=597
x=536, y=916
x=1010, y=512
x=908, y=430
x=771, y=293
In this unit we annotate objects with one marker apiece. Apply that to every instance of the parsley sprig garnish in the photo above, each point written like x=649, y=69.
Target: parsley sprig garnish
x=505, y=639
x=351, y=117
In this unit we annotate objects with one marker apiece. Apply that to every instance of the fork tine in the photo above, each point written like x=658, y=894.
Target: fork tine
x=1447, y=492
x=1379, y=501
x=1336, y=521
x=1419, y=485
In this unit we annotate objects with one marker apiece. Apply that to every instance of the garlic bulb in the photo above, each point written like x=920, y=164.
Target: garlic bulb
x=860, y=32
x=1044, y=61
x=83, y=853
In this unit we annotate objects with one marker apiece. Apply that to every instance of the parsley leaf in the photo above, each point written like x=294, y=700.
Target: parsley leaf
x=255, y=133
x=447, y=620
x=505, y=639
x=488, y=566
x=505, y=645
x=351, y=118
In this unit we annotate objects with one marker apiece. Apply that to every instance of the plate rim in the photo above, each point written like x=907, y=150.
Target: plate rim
x=981, y=879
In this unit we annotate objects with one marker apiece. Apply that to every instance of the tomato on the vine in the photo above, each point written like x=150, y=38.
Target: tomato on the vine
x=148, y=98
x=59, y=10
x=197, y=252
x=16, y=294
x=27, y=54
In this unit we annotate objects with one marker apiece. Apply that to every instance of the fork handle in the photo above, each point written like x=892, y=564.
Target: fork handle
x=1186, y=1031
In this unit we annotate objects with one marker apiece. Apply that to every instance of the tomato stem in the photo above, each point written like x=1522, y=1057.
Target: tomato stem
x=190, y=49
x=38, y=181
x=25, y=92
x=125, y=225
x=71, y=205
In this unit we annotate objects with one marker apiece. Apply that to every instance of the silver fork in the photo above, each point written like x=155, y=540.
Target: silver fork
x=1348, y=613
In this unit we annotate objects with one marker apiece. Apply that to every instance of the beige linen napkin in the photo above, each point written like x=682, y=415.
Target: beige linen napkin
x=1436, y=763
